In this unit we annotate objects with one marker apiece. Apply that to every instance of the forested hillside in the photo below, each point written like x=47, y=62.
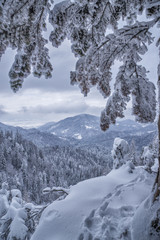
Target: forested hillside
x=26, y=167
x=32, y=160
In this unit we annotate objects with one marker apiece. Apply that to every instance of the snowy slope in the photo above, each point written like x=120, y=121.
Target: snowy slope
x=78, y=127
x=118, y=194
x=89, y=125
x=45, y=127
x=39, y=138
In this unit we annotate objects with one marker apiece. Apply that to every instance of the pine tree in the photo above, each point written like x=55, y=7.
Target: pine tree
x=120, y=152
x=2, y=160
x=133, y=154
x=1, y=137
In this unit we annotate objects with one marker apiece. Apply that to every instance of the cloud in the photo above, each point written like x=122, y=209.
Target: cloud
x=66, y=103
x=34, y=107
x=2, y=111
x=61, y=107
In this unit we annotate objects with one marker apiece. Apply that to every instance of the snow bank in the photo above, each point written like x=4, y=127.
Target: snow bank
x=146, y=221
x=66, y=219
x=113, y=218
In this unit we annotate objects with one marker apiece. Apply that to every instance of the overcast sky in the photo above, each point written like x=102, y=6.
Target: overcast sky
x=41, y=100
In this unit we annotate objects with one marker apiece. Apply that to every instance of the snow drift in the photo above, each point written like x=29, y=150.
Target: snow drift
x=99, y=208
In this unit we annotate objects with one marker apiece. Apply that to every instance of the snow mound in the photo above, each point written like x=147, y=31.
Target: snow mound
x=16, y=193
x=96, y=207
x=146, y=221
x=113, y=219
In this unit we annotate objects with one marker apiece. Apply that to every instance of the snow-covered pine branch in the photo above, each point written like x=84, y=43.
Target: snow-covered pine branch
x=21, y=26
x=85, y=24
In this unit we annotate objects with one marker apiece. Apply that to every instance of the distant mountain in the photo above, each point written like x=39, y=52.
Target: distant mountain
x=86, y=130
x=5, y=127
x=41, y=139
x=46, y=126
x=78, y=127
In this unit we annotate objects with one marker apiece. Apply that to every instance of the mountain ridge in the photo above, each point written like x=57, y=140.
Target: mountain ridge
x=84, y=130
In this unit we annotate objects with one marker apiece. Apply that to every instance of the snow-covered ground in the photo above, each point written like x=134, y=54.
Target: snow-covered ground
x=100, y=208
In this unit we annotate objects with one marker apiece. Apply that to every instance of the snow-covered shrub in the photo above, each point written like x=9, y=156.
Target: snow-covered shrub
x=134, y=155
x=18, y=230
x=3, y=199
x=15, y=219
x=120, y=152
x=149, y=157
x=130, y=166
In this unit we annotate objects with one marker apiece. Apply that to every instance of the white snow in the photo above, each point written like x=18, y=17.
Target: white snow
x=18, y=230
x=63, y=138
x=88, y=127
x=46, y=190
x=55, y=126
x=150, y=131
x=154, y=168
x=65, y=130
x=147, y=215
x=16, y=193
x=65, y=219
x=77, y=136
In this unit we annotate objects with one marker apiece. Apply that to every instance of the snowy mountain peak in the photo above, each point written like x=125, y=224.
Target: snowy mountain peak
x=86, y=128
x=78, y=127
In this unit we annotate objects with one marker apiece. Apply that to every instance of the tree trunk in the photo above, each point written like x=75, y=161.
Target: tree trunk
x=157, y=181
